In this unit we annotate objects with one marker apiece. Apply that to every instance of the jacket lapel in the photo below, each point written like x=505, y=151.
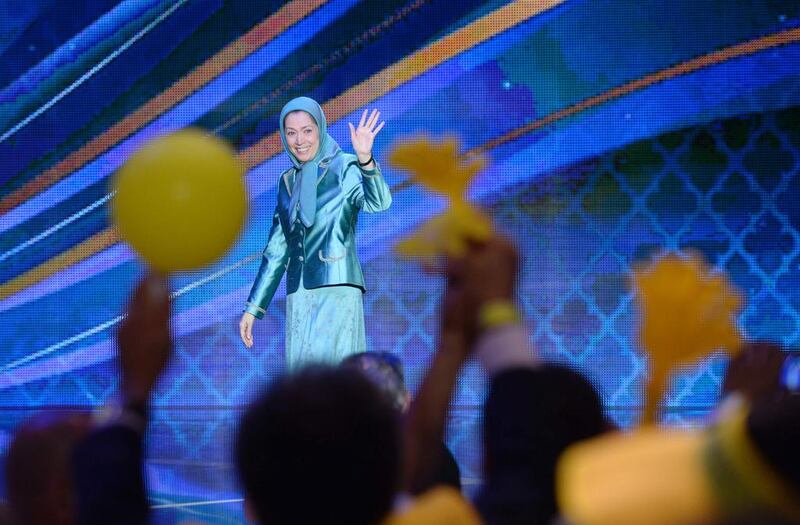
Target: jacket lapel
x=323, y=169
x=288, y=180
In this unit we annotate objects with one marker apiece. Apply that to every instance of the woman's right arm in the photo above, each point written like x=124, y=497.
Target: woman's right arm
x=273, y=265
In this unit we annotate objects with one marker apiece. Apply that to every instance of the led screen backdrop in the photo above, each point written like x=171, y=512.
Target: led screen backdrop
x=613, y=130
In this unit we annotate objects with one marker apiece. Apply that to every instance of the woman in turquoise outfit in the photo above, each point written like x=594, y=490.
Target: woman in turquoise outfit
x=312, y=238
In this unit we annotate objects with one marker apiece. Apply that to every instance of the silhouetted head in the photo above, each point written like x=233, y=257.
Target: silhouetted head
x=385, y=370
x=531, y=416
x=320, y=446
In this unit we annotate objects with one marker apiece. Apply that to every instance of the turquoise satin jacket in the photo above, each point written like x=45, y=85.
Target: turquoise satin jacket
x=325, y=253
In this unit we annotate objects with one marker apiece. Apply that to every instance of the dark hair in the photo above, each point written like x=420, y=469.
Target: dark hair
x=385, y=370
x=774, y=429
x=531, y=416
x=320, y=446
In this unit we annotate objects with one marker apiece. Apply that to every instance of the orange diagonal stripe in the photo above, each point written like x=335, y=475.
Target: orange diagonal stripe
x=233, y=53
x=684, y=68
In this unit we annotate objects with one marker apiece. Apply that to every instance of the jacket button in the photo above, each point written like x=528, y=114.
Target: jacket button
x=299, y=244
x=300, y=258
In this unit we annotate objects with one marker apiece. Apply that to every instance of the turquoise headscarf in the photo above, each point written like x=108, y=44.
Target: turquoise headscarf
x=304, y=191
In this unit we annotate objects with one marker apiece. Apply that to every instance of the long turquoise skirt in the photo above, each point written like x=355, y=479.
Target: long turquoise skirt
x=324, y=325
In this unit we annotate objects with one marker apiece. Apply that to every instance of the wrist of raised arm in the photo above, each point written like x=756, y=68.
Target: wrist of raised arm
x=497, y=312
x=372, y=169
x=453, y=347
x=364, y=158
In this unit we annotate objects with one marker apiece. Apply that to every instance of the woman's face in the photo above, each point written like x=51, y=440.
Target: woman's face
x=302, y=135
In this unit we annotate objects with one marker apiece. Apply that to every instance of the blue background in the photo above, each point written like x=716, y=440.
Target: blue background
x=595, y=181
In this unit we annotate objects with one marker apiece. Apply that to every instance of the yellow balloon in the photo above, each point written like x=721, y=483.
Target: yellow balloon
x=180, y=200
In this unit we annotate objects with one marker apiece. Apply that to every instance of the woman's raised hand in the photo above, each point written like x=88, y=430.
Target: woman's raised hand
x=364, y=135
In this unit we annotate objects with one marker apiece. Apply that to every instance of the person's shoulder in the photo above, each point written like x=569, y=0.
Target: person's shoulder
x=349, y=158
x=343, y=161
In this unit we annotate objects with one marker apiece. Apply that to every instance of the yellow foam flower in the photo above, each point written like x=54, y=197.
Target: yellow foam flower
x=437, y=166
x=447, y=234
x=440, y=168
x=686, y=313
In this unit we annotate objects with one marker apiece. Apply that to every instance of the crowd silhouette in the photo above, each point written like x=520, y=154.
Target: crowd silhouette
x=347, y=445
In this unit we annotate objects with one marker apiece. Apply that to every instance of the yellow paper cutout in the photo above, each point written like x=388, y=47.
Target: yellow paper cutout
x=650, y=476
x=686, y=313
x=438, y=167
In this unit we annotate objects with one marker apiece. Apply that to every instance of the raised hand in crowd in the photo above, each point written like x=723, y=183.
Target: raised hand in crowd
x=485, y=276
x=755, y=373
x=109, y=463
x=144, y=339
